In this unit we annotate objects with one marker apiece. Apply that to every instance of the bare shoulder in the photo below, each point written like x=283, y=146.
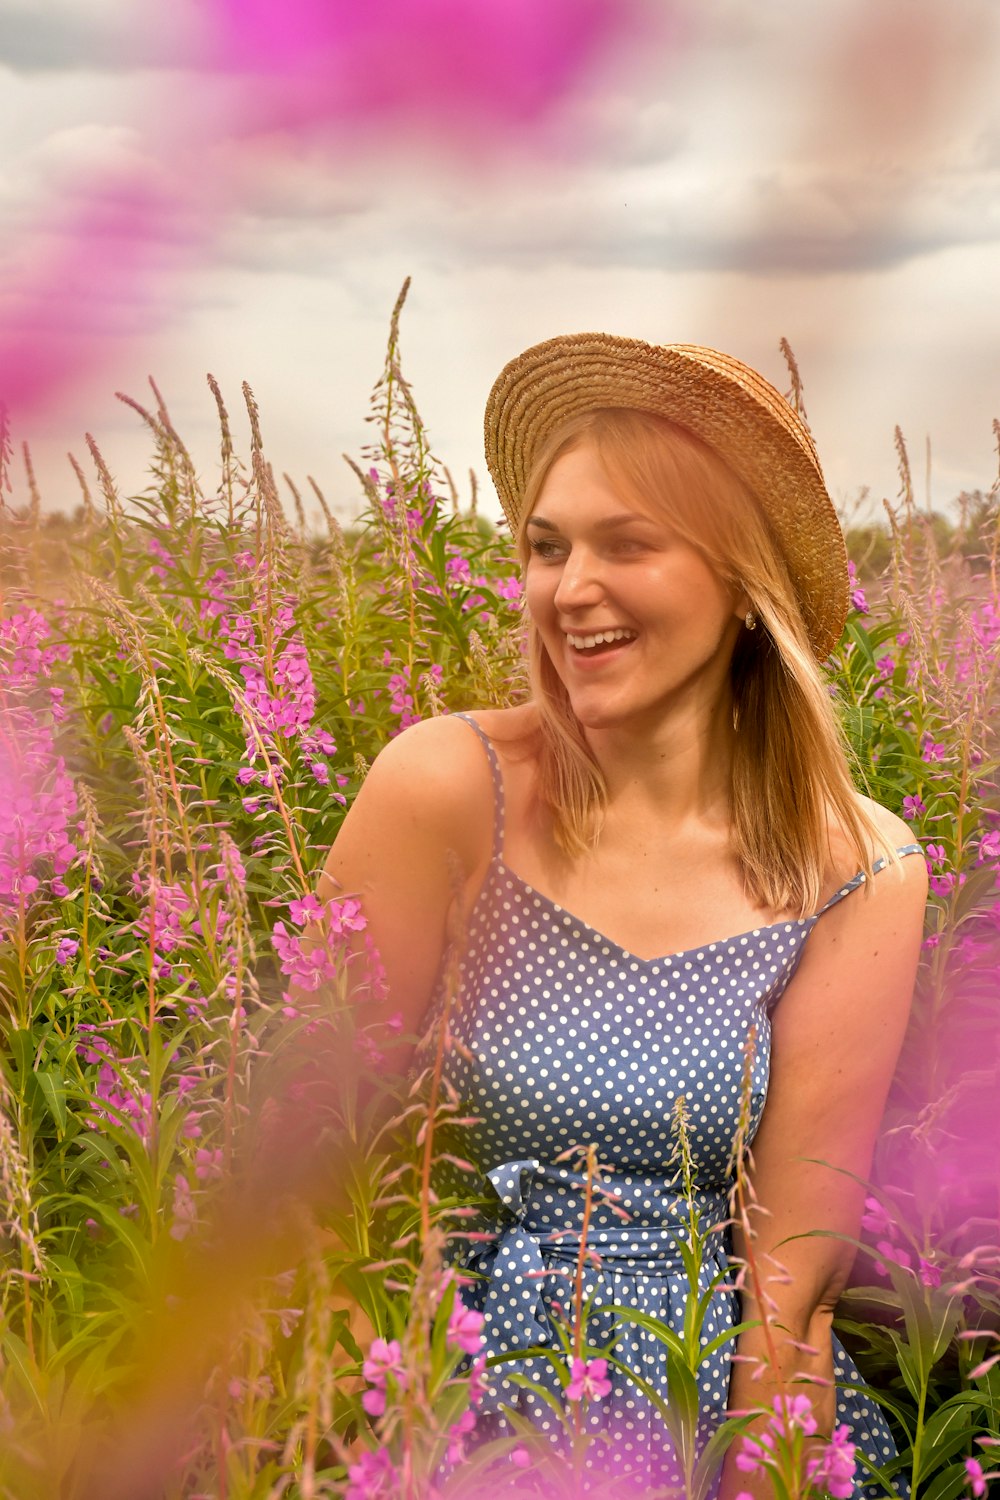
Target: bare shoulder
x=887, y=824
x=436, y=775
x=513, y=731
x=903, y=882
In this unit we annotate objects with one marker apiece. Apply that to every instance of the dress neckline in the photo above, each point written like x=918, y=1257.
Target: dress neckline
x=663, y=958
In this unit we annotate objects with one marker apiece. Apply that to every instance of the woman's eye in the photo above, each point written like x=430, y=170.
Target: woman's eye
x=543, y=548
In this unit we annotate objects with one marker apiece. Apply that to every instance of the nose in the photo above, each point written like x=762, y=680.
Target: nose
x=580, y=581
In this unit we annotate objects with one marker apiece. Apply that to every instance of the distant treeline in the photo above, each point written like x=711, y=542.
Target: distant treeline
x=970, y=531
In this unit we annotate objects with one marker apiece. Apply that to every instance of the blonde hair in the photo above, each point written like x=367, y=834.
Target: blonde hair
x=791, y=780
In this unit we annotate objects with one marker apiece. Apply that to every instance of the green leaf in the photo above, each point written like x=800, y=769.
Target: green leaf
x=948, y=1484
x=53, y=1088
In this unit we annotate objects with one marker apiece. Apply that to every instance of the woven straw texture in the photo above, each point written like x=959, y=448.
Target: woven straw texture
x=723, y=402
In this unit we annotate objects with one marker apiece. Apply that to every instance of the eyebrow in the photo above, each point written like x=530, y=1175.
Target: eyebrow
x=610, y=523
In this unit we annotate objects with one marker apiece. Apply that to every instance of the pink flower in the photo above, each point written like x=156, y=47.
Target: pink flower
x=207, y=1164
x=465, y=1328
x=372, y=1478
x=989, y=846
x=888, y=1252
x=588, y=1380
x=477, y=1379
x=306, y=910
x=68, y=948
x=976, y=1479
x=858, y=600
x=834, y=1471
x=345, y=916
x=384, y=1359
x=185, y=1214
x=797, y=1412
x=457, y=1434
x=754, y=1454
x=373, y=1401
x=930, y=750
x=929, y=1273
x=914, y=807
x=876, y=1219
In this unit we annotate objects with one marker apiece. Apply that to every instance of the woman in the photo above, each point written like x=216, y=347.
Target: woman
x=676, y=777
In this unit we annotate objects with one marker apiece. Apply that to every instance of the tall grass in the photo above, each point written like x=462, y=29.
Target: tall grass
x=225, y=1267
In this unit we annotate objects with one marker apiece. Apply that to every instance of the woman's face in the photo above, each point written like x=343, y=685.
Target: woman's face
x=602, y=563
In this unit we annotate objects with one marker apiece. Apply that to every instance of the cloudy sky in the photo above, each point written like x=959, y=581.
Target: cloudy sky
x=176, y=198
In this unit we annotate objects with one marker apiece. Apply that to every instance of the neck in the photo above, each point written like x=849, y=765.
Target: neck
x=676, y=769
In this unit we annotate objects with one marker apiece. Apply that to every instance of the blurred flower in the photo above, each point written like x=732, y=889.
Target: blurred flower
x=465, y=1327
x=588, y=1380
x=457, y=1434
x=185, y=1214
x=834, y=1470
x=876, y=1219
x=975, y=1477
x=383, y=1359
x=373, y=1477
x=68, y=948
x=858, y=600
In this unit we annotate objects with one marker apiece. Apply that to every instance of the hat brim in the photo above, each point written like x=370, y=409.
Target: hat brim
x=722, y=401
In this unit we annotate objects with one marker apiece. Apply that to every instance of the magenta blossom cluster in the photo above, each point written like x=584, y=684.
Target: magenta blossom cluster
x=309, y=964
x=833, y=1471
x=24, y=657
x=976, y=1479
x=117, y=1096
x=282, y=705
x=38, y=803
x=790, y=1420
x=171, y=921
x=384, y=1362
x=38, y=816
x=858, y=600
x=373, y=1477
x=385, y=1372
x=885, y=1231
x=169, y=927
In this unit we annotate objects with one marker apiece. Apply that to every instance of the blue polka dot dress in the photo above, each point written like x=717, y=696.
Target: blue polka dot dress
x=564, y=1040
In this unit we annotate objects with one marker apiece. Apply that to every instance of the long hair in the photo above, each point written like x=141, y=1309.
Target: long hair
x=791, y=782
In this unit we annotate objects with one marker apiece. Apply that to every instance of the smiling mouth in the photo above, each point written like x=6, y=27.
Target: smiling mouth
x=598, y=644
x=601, y=641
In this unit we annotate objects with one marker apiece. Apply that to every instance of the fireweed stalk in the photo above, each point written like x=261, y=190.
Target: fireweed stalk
x=780, y=1448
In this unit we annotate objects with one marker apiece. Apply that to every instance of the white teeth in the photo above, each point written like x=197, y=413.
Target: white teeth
x=584, y=642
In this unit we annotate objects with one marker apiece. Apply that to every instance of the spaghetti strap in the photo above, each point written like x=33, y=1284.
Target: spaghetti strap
x=498, y=802
x=860, y=878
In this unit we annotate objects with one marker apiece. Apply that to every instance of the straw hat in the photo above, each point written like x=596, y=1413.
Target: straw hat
x=723, y=402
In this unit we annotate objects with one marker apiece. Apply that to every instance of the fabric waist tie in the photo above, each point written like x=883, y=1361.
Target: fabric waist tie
x=515, y=1316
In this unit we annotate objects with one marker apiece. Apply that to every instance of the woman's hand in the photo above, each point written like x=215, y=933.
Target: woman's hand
x=836, y=1037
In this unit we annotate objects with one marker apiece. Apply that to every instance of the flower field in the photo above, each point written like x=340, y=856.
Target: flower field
x=224, y=1225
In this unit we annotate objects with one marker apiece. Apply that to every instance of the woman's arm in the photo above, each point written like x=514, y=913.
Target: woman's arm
x=412, y=848
x=836, y=1038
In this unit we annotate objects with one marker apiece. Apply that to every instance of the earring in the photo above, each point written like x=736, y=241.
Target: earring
x=750, y=620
